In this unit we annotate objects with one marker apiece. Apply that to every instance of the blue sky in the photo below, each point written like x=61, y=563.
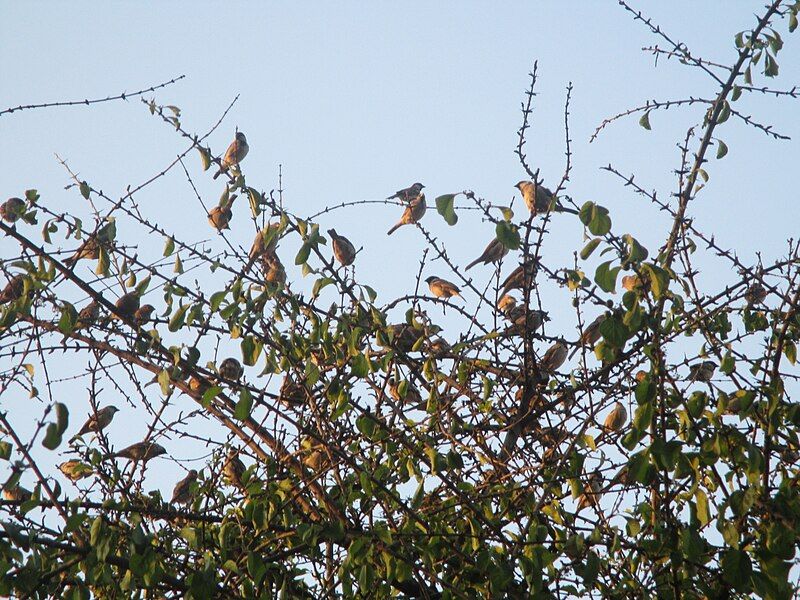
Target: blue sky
x=360, y=100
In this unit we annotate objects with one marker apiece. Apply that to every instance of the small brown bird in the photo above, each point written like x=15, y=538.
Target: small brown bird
x=141, y=451
x=703, y=371
x=409, y=193
x=439, y=346
x=506, y=304
x=520, y=277
x=591, y=492
x=90, y=248
x=97, y=421
x=343, y=249
x=198, y=385
x=75, y=470
x=12, y=209
x=755, y=294
x=230, y=369
x=554, y=357
x=590, y=335
x=13, y=290
x=88, y=315
x=640, y=375
x=234, y=154
x=274, y=272
x=413, y=213
x=261, y=247
x=221, y=215
x=537, y=198
x=17, y=494
x=493, y=252
x=233, y=469
x=412, y=398
x=143, y=314
x=314, y=455
x=291, y=392
x=127, y=305
x=182, y=493
x=616, y=419
x=535, y=320
x=441, y=288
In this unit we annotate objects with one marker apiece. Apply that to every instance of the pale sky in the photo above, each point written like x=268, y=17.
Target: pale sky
x=359, y=100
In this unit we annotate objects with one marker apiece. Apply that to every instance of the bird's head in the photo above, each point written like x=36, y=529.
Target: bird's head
x=332, y=233
x=112, y=409
x=431, y=278
x=417, y=187
x=522, y=184
x=240, y=137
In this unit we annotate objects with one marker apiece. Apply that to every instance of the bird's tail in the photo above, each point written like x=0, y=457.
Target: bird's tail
x=574, y=350
x=70, y=261
x=395, y=228
x=473, y=263
x=218, y=173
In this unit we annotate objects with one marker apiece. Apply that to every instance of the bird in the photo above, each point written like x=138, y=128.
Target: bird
x=274, y=272
x=17, y=494
x=198, y=385
x=13, y=290
x=703, y=371
x=143, y=313
x=537, y=198
x=402, y=337
x=441, y=288
x=233, y=469
x=221, y=215
x=521, y=277
x=127, y=305
x=75, y=470
x=230, y=369
x=439, y=346
x=591, y=492
x=261, y=247
x=522, y=320
x=506, y=304
x=291, y=392
x=413, y=213
x=141, y=451
x=616, y=419
x=590, y=335
x=234, y=154
x=409, y=193
x=12, y=209
x=755, y=294
x=97, y=421
x=412, y=396
x=314, y=455
x=88, y=315
x=554, y=357
x=493, y=252
x=343, y=249
x=90, y=248
x=182, y=493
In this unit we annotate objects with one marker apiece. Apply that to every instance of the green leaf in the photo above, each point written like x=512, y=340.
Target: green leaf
x=320, y=284
x=792, y=22
x=85, y=189
x=508, y=214
x=589, y=248
x=142, y=286
x=614, y=332
x=737, y=568
x=444, y=206
x=606, y=277
x=644, y=121
x=244, y=405
x=724, y=113
x=52, y=437
x=169, y=247
x=790, y=351
x=770, y=66
x=164, y=382
x=508, y=234
x=178, y=268
x=596, y=218
x=62, y=417
x=205, y=158
x=176, y=322
x=32, y=196
x=722, y=149
x=69, y=317
x=209, y=395
x=303, y=254
x=251, y=350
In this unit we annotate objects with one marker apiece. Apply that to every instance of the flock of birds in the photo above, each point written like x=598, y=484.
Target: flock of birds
x=537, y=198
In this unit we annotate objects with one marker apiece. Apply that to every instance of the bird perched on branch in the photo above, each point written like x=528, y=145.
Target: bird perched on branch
x=97, y=421
x=409, y=193
x=230, y=369
x=233, y=469
x=265, y=244
x=521, y=277
x=590, y=334
x=13, y=290
x=234, y=154
x=90, y=248
x=12, y=209
x=127, y=305
x=554, y=357
x=616, y=419
x=414, y=212
x=522, y=320
x=493, y=252
x=412, y=396
x=537, y=198
x=703, y=371
x=182, y=492
x=441, y=288
x=591, y=492
x=506, y=304
x=220, y=216
x=141, y=451
x=88, y=315
x=755, y=294
x=273, y=270
x=143, y=314
x=343, y=249
x=75, y=470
